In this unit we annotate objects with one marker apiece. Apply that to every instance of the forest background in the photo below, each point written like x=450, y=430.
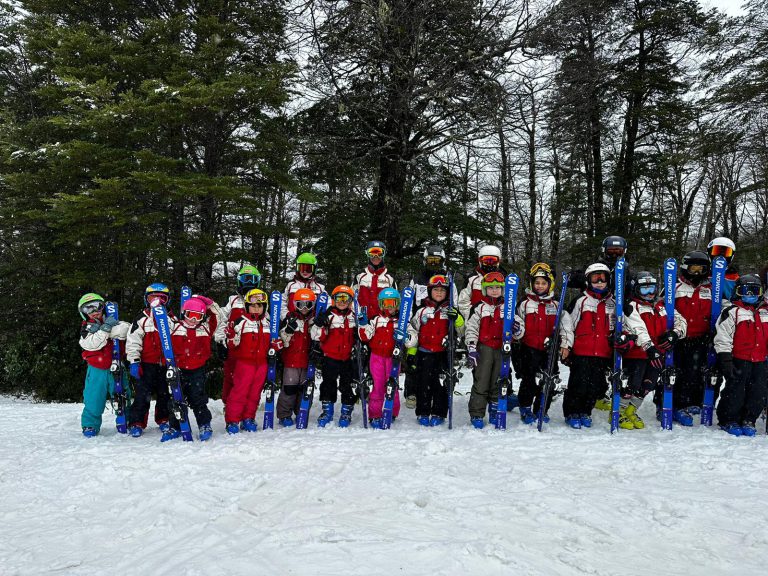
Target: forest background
x=173, y=140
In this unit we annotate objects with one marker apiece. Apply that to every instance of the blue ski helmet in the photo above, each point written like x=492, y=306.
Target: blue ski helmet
x=157, y=289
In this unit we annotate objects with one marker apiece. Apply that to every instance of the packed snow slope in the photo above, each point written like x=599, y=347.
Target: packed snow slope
x=406, y=501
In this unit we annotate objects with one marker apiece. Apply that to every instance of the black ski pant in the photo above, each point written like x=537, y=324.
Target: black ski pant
x=531, y=362
x=341, y=372
x=431, y=394
x=152, y=381
x=586, y=384
x=744, y=395
x=641, y=378
x=193, y=386
x=691, y=360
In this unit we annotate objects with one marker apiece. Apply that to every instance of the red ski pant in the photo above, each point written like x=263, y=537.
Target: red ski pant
x=380, y=367
x=243, y=399
x=229, y=371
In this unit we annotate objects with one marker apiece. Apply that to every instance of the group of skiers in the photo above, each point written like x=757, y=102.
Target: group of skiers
x=363, y=332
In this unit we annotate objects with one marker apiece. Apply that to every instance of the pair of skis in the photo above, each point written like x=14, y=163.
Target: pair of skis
x=548, y=378
x=116, y=368
x=504, y=382
x=308, y=386
x=361, y=377
x=270, y=386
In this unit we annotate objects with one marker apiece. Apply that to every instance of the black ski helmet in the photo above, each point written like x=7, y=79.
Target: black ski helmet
x=695, y=266
x=610, y=247
x=749, y=284
x=434, y=251
x=640, y=279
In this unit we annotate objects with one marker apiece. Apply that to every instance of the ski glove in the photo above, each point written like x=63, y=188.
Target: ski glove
x=222, y=351
x=109, y=323
x=322, y=319
x=93, y=327
x=291, y=325
x=624, y=342
x=410, y=361
x=655, y=357
x=473, y=357
x=136, y=370
x=362, y=318
x=316, y=354
x=517, y=330
x=399, y=335
x=455, y=316
x=667, y=340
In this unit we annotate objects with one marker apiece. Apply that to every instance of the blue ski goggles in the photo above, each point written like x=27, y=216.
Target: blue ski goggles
x=249, y=280
x=648, y=289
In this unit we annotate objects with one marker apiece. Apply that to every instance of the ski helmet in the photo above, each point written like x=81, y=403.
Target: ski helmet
x=491, y=279
x=437, y=281
x=193, y=312
x=695, y=266
x=89, y=304
x=248, y=277
x=157, y=290
x=749, y=289
x=389, y=299
x=304, y=299
x=489, y=258
x=593, y=272
x=375, y=249
x=541, y=270
x=306, y=263
x=256, y=296
x=434, y=258
x=644, y=286
x=721, y=246
x=613, y=248
x=342, y=293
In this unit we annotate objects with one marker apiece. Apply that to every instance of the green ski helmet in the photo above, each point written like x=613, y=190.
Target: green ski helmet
x=248, y=277
x=89, y=304
x=306, y=262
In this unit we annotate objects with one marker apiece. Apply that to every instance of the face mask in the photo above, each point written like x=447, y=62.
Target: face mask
x=751, y=299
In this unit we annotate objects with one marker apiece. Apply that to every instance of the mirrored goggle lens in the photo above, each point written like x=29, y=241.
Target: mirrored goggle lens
x=438, y=281
x=258, y=299
x=434, y=260
x=648, y=289
x=160, y=297
x=494, y=277
x=595, y=278
x=750, y=290
x=304, y=305
x=249, y=279
x=725, y=251
x=697, y=269
x=193, y=315
x=489, y=261
x=375, y=252
x=91, y=307
x=389, y=303
x=306, y=268
x=341, y=298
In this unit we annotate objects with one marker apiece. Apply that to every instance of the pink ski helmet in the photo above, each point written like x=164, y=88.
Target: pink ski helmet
x=193, y=312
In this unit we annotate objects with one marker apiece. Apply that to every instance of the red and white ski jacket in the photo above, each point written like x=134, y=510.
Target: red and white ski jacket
x=648, y=321
x=297, y=345
x=694, y=303
x=742, y=330
x=471, y=295
x=250, y=339
x=192, y=348
x=292, y=286
x=429, y=327
x=486, y=324
x=538, y=315
x=379, y=334
x=368, y=284
x=588, y=326
x=143, y=342
x=232, y=310
x=97, y=346
x=337, y=338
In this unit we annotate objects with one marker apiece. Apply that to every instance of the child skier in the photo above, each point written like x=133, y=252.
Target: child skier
x=538, y=312
x=191, y=339
x=335, y=330
x=96, y=339
x=373, y=279
x=306, y=265
x=741, y=343
x=428, y=331
x=488, y=260
x=250, y=343
x=586, y=331
x=378, y=333
x=645, y=324
x=483, y=334
x=296, y=336
x=147, y=366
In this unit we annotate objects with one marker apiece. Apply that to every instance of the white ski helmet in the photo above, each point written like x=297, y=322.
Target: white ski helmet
x=489, y=251
x=721, y=246
x=597, y=267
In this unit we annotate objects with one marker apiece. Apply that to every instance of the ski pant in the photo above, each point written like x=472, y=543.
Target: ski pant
x=485, y=387
x=586, y=384
x=431, y=394
x=744, y=395
x=641, y=378
x=248, y=383
x=289, y=399
x=691, y=359
x=229, y=371
x=532, y=361
x=193, y=386
x=99, y=385
x=341, y=371
x=380, y=368
x=152, y=380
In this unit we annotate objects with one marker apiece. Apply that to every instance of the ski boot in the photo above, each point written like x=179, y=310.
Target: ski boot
x=285, y=422
x=135, y=431
x=574, y=421
x=346, y=415
x=89, y=432
x=164, y=427
x=249, y=425
x=326, y=415
x=748, y=429
x=683, y=417
x=423, y=420
x=205, y=432
x=604, y=404
x=170, y=434
x=512, y=401
x=625, y=422
x=375, y=423
x=732, y=428
x=477, y=423
x=526, y=415
x=233, y=428
x=493, y=409
x=436, y=421
x=630, y=413
x=586, y=420
x=410, y=402
x=694, y=410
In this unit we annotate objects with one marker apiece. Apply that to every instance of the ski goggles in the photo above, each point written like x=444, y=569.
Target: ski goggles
x=389, y=304
x=434, y=261
x=341, y=298
x=540, y=269
x=598, y=277
x=615, y=251
x=304, y=305
x=648, y=289
x=438, y=281
x=489, y=261
x=750, y=290
x=257, y=299
x=92, y=307
x=194, y=315
x=697, y=269
x=160, y=297
x=249, y=280
x=724, y=251
x=375, y=252
x=306, y=269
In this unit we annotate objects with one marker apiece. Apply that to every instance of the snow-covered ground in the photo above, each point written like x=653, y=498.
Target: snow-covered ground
x=399, y=502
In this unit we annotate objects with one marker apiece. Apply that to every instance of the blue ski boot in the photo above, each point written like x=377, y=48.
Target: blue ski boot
x=477, y=423
x=493, y=409
x=233, y=428
x=170, y=434
x=732, y=428
x=205, y=432
x=748, y=429
x=586, y=420
x=526, y=415
x=436, y=421
x=375, y=423
x=326, y=415
x=512, y=401
x=285, y=422
x=682, y=417
x=423, y=420
x=135, y=431
x=694, y=410
x=574, y=421
x=249, y=425
x=346, y=415
x=89, y=432
x=164, y=427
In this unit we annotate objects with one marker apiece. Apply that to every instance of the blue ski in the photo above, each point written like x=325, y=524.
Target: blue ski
x=186, y=294
x=116, y=368
x=393, y=382
x=710, y=374
x=504, y=382
x=670, y=285
x=450, y=379
x=361, y=379
x=308, y=385
x=618, y=295
x=172, y=374
x=548, y=377
x=275, y=303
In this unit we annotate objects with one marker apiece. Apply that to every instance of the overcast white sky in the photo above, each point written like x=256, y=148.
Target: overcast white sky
x=730, y=7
